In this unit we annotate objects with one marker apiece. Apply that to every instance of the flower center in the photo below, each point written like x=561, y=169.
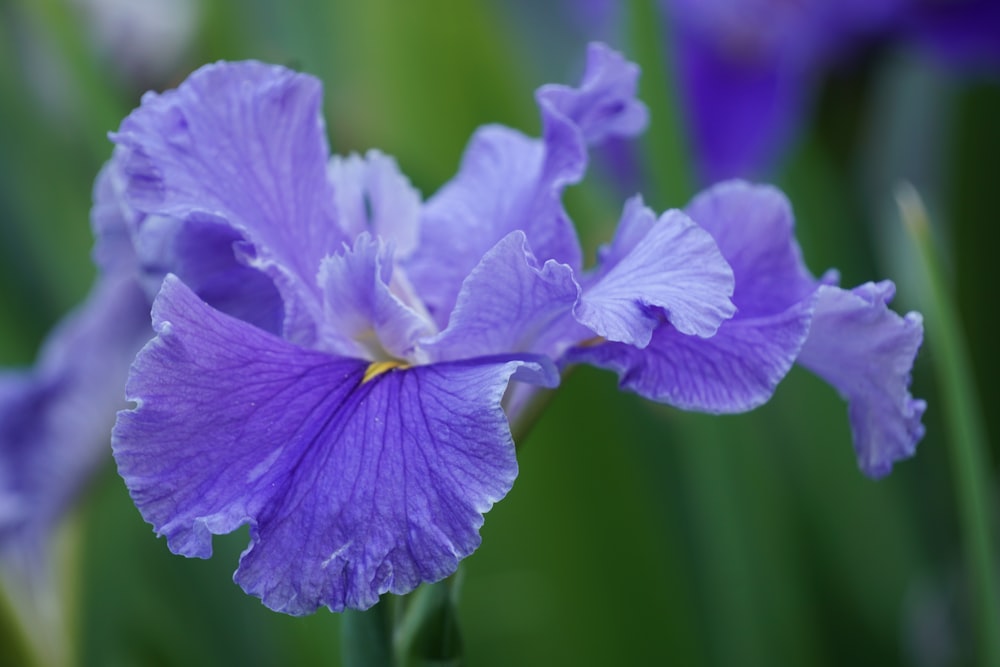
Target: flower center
x=377, y=368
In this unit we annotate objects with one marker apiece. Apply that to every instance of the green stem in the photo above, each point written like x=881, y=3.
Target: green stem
x=16, y=649
x=428, y=632
x=367, y=635
x=966, y=431
x=415, y=630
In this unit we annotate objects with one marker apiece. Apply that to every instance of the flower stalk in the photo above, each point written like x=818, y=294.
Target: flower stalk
x=966, y=433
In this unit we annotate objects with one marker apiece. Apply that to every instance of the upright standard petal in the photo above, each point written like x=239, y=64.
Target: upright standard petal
x=656, y=270
x=353, y=483
x=510, y=182
x=363, y=317
x=754, y=228
x=510, y=304
x=605, y=103
x=241, y=145
x=373, y=196
x=866, y=352
x=203, y=253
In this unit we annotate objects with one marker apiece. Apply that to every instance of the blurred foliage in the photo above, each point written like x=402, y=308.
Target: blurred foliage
x=635, y=534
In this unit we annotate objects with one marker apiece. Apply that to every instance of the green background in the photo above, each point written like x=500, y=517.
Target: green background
x=635, y=534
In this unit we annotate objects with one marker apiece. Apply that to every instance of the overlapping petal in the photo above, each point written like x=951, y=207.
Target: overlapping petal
x=510, y=304
x=363, y=317
x=373, y=196
x=735, y=370
x=849, y=338
x=471, y=213
x=739, y=367
x=241, y=145
x=205, y=254
x=754, y=228
x=866, y=352
x=656, y=270
x=603, y=106
x=351, y=488
x=508, y=181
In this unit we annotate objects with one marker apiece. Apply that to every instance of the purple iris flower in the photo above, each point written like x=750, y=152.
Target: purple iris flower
x=336, y=362
x=363, y=437
x=848, y=337
x=748, y=69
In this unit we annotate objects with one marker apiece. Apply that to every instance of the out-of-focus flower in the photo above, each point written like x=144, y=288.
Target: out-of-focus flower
x=748, y=69
x=141, y=39
x=55, y=419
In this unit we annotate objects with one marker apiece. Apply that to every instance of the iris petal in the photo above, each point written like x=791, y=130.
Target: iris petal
x=653, y=265
x=362, y=316
x=510, y=304
x=866, y=352
x=242, y=145
x=509, y=182
x=735, y=370
x=351, y=488
x=372, y=195
x=739, y=367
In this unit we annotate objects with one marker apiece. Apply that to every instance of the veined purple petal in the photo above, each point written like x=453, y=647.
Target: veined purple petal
x=739, y=367
x=372, y=195
x=241, y=145
x=203, y=253
x=351, y=488
x=509, y=304
x=670, y=264
x=754, y=228
x=363, y=318
x=112, y=221
x=866, y=352
x=735, y=370
x=206, y=256
x=55, y=419
x=471, y=213
x=605, y=104
x=510, y=182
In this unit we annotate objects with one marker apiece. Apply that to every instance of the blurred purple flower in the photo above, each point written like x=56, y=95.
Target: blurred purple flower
x=55, y=419
x=748, y=69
